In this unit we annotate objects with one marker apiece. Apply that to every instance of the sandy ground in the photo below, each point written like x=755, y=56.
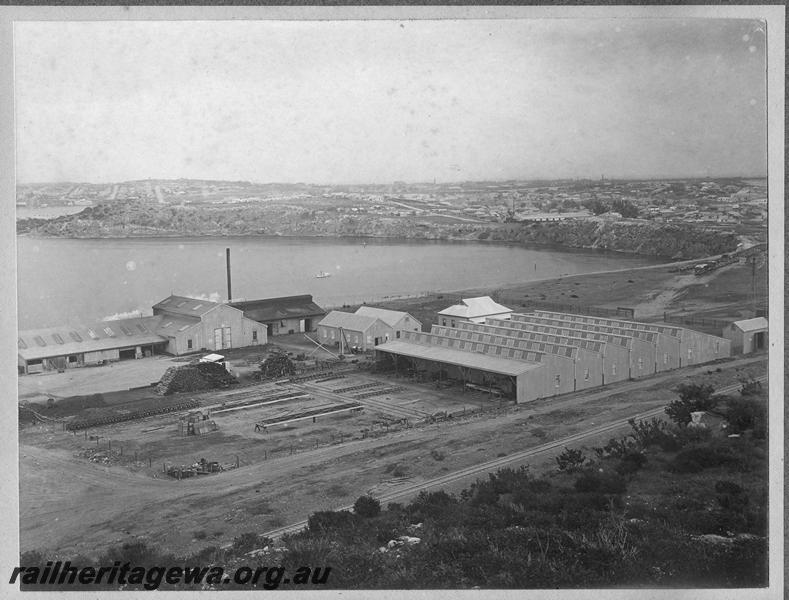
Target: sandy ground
x=70, y=505
x=93, y=380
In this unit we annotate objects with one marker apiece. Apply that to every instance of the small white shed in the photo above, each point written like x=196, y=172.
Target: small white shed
x=748, y=335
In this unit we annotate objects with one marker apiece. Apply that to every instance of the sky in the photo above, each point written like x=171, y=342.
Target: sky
x=383, y=101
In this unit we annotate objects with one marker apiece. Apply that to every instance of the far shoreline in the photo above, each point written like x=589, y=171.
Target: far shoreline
x=660, y=259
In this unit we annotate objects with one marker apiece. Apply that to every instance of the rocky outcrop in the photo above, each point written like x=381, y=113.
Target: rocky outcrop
x=137, y=220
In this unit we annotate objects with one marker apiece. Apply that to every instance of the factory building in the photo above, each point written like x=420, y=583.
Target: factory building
x=190, y=325
x=587, y=362
x=746, y=336
x=179, y=325
x=520, y=374
x=695, y=347
x=539, y=355
x=474, y=310
x=285, y=315
x=364, y=329
x=615, y=345
x=60, y=348
x=610, y=361
x=655, y=352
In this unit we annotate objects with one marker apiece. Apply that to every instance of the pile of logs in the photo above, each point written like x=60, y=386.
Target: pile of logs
x=196, y=377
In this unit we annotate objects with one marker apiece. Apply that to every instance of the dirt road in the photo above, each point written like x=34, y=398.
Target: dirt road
x=73, y=506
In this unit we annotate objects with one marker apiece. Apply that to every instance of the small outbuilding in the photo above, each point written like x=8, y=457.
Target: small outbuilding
x=364, y=329
x=748, y=335
x=474, y=310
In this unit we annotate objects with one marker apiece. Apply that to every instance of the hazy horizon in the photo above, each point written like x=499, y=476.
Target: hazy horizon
x=377, y=102
x=421, y=182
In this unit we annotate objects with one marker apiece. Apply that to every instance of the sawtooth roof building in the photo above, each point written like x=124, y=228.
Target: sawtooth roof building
x=545, y=353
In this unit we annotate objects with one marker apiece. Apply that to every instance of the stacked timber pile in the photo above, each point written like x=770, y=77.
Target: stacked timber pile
x=196, y=377
x=276, y=366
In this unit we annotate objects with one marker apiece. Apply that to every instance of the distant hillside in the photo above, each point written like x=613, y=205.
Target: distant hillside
x=142, y=219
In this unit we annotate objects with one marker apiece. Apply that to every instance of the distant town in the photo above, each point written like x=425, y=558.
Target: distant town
x=716, y=202
x=671, y=218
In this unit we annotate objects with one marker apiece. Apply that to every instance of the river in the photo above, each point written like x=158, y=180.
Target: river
x=68, y=281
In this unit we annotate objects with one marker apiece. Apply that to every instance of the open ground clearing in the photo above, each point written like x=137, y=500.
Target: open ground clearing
x=70, y=505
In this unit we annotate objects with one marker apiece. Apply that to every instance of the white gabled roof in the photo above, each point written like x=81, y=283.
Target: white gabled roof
x=390, y=317
x=470, y=308
x=346, y=320
x=751, y=324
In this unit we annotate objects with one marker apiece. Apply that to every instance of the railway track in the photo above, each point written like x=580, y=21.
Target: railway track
x=498, y=463
x=480, y=468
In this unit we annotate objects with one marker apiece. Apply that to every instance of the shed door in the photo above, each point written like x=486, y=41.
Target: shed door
x=758, y=340
x=221, y=338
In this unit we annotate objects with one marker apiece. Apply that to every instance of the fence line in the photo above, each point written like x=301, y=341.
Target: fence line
x=582, y=309
x=690, y=320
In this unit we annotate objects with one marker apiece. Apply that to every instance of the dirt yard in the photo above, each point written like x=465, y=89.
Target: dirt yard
x=648, y=290
x=72, y=505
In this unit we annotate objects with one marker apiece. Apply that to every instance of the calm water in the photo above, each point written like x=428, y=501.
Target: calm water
x=70, y=281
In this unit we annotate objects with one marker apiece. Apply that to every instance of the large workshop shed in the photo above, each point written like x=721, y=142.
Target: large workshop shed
x=535, y=374
x=612, y=360
x=192, y=325
x=60, y=348
x=650, y=352
x=587, y=360
x=695, y=347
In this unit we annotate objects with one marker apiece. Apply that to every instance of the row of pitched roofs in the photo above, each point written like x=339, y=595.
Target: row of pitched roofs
x=176, y=314
x=363, y=318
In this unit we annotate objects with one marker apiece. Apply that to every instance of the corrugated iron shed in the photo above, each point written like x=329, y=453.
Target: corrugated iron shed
x=277, y=309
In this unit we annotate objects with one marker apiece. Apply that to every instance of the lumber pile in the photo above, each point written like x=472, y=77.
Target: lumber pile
x=276, y=365
x=198, y=377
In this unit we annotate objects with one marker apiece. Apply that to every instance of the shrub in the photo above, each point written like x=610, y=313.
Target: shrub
x=684, y=464
x=617, y=448
x=744, y=414
x=437, y=455
x=751, y=388
x=693, y=435
x=652, y=432
x=328, y=520
x=367, y=506
x=696, y=459
x=606, y=482
x=247, y=541
x=692, y=397
x=200, y=534
x=570, y=460
x=730, y=495
x=631, y=463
